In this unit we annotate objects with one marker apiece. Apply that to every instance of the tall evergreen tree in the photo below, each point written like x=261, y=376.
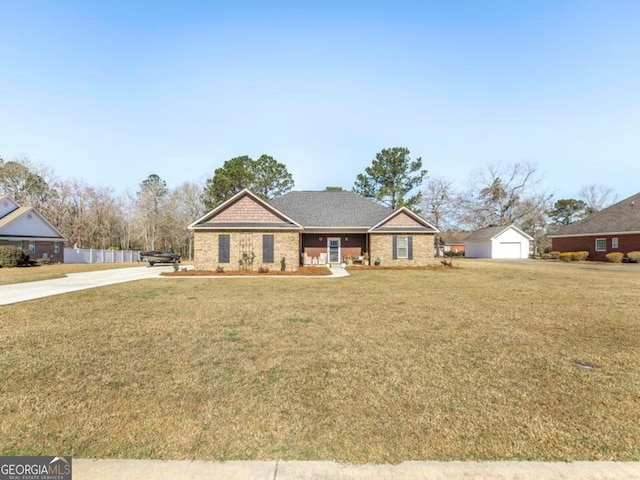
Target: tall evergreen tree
x=266, y=177
x=391, y=178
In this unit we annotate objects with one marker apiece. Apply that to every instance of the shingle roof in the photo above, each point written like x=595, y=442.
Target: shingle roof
x=11, y=216
x=621, y=217
x=488, y=233
x=28, y=211
x=452, y=237
x=331, y=209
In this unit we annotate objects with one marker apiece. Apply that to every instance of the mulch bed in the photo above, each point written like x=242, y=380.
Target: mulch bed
x=356, y=268
x=303, y=271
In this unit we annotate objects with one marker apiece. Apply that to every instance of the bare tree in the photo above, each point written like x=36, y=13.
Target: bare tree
x=437, y=201
x=596, y=197
x=128, y=228
x=102, y=217
x=438, y=204
x=151, y=202
x=184, y=206
x=90, y=217
x=501, y=195
x=67, y=209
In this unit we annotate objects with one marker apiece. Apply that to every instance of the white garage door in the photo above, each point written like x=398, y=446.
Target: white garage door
x=508, y=250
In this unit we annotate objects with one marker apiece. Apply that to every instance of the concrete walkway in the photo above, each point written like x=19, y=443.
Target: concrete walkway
x=338, y=271
x=20, y=292
x=84, y=469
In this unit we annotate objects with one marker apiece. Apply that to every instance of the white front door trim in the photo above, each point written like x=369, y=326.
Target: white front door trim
x=333, y=249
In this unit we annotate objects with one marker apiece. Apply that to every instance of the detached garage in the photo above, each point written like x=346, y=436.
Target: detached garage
x=506, y=241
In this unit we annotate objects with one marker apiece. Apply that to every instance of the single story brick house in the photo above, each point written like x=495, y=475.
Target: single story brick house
x=309, y=228
x=503, y=241
x=26, y=228
x=613, y=229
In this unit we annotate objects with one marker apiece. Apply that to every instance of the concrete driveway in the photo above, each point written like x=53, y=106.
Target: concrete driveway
x=73, y=282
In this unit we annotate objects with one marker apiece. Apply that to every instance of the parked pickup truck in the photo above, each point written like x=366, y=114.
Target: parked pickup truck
x=157, y=256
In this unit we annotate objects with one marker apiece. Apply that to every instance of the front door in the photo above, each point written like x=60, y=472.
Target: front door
x=333, y=245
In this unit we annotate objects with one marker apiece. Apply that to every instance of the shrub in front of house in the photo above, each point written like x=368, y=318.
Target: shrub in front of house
x=11, y=256
x=579, y=256
x=614, y=257
x=634, y=257
x=554, y=255
x=566, y=256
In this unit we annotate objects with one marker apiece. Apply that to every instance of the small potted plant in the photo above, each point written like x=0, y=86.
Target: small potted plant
x=365, y=258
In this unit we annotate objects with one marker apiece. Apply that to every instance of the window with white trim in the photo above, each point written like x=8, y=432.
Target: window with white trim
x=56, y=247
x=16, y=243
x=402, y=249
x=32, y=247
x=601, y=244
x=614, y=242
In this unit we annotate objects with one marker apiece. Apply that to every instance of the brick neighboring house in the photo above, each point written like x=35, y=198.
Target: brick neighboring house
x=309, y=228
x=614, y=229
x=26, y=228
x=452, y=241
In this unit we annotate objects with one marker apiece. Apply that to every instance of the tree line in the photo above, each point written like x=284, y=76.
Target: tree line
x=156, y=217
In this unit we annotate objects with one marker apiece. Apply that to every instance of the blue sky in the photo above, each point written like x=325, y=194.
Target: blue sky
x=111, y=92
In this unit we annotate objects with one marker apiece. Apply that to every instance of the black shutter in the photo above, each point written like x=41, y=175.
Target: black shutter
x=267, y=248
x=410, y=246
x=223, y=248
x=395, y=247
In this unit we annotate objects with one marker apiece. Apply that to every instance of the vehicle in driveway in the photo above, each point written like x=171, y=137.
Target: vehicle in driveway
x=158, y=256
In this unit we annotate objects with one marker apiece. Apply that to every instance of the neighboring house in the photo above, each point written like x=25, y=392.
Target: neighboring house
x=505, y=241
x=452, y=242
x=309, y=228
x=614, y=229
x=26, y=228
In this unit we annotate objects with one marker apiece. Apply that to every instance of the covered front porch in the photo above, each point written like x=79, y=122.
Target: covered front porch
x=333, y=248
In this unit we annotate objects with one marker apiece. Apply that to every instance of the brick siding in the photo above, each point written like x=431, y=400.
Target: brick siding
x=42, y=247
x=626, y=243
x=285, y=244
x=381, y=245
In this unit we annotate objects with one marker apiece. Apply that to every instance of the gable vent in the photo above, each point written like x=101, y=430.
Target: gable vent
x=29, y=216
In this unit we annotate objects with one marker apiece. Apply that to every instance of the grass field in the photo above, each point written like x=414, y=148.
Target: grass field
x=57, y=270
x=476, y=362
